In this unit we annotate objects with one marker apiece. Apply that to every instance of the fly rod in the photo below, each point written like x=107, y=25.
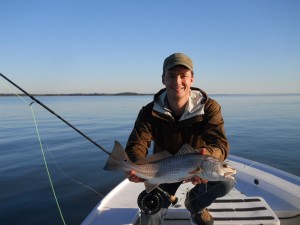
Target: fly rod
x=171, y=198
x=59, y=117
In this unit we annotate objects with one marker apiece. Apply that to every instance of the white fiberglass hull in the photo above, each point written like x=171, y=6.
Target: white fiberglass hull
x=271, y=195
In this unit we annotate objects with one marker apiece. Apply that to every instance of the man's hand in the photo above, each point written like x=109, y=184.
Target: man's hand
x=133, y=178
x=196, y=180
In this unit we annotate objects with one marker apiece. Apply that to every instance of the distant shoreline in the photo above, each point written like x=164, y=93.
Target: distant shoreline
x=139, y=94
x=82, y=94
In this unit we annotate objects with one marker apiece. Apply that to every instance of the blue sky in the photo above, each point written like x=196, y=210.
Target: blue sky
x=88, y=46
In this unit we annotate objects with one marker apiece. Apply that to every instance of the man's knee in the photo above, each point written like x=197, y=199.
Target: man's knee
x=225, y=187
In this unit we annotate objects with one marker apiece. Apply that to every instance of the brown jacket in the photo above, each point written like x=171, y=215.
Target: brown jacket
x=201, y=126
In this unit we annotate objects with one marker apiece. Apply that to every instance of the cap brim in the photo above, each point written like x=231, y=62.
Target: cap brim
x=178, y=64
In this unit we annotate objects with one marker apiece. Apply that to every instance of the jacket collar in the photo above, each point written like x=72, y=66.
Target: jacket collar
x=195, y=106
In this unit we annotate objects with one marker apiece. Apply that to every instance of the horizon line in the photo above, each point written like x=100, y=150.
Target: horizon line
x=133, y=94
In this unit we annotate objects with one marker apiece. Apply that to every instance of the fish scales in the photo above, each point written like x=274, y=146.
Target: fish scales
x=166, y=168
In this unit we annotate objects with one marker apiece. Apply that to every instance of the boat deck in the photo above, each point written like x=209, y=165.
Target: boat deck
x=261, y=196
x=233, y=209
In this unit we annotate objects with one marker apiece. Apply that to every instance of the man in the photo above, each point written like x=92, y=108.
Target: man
x=181, y=114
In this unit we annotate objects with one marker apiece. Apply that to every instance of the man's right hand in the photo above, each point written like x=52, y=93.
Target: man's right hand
x=133, y=178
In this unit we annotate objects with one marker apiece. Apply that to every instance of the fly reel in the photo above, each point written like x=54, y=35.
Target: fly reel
x=150, y=203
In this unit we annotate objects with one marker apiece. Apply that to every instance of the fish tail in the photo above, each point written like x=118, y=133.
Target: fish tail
x=117, y=158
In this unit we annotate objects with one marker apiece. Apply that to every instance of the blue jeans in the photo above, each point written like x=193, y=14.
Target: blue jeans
x=198, y=198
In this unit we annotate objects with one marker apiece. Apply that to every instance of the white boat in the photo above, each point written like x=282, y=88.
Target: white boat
x=262, y=195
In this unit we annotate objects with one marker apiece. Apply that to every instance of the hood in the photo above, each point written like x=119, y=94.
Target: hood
x=195, y=106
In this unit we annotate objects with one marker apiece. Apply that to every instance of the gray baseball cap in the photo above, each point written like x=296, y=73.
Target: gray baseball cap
x=177, y=59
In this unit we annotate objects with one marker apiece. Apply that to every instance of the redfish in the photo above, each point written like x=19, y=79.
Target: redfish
x=164, y=167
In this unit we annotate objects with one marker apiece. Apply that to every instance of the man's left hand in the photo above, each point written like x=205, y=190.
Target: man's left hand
x=196, y=180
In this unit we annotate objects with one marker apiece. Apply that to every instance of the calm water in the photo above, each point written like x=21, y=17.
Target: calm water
x=264, y=128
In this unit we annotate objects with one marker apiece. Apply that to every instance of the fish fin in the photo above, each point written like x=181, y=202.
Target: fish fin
x=117, y=158
x=153, y=158
x=197, y=170
x=186, y=149
x=149, y=186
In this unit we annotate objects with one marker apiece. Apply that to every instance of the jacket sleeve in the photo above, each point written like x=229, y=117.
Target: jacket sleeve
x=141, y=136
x=214, y=135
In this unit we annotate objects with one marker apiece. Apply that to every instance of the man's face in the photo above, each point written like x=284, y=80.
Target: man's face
x=178, y=81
